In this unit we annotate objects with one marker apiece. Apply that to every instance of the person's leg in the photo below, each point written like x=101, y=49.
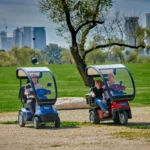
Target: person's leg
x=108, y=102
x=31, y=105
x=102, y=105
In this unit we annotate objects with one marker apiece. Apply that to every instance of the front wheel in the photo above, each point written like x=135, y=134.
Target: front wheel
x=21, y=121
x=94, y=117
x=123, y=118
x=57, y=123
x=36, y=123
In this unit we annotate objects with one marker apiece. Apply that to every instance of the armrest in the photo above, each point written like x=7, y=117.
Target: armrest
x=87, y=95
x=89, y=99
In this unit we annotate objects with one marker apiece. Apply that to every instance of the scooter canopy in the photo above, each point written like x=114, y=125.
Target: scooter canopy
x=47, y=89
x=116, y=78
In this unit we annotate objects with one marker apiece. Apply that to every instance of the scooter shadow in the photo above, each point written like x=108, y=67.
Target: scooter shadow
x=140, y=125
x=53, y=128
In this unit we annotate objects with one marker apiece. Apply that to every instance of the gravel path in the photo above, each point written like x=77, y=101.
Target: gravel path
x=93, y=137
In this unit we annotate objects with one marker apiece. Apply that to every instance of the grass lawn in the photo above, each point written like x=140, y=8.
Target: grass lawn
x=70, y=84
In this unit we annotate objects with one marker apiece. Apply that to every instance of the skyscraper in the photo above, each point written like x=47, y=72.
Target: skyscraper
x=131, y=27
x=33, y=37
x=25, y=37
x=9, y=43
x=3, y=40
x=39, y=38
x=16, y=37
x=148, y=27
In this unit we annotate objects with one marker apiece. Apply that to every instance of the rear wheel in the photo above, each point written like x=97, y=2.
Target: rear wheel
x=21, y=121
x=123, y=118
x=116, y=118
x=94, y=117
x=36, y=123
x=57, y=123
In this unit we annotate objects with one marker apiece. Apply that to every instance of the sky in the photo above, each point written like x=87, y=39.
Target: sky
x=20, y=13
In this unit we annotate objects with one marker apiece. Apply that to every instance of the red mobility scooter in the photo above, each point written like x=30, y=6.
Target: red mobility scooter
x=119, y=93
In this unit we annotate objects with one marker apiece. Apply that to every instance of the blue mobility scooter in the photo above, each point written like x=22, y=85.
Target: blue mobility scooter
x=119, y=93
x=44, y=97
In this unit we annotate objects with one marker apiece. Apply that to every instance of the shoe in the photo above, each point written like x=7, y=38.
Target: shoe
x=105, y=115
x=106, y=112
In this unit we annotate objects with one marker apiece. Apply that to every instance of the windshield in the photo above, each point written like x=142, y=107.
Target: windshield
x=119, y=82
x=44, y=85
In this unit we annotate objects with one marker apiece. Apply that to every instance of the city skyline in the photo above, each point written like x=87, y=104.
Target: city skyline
x=33, y=37
x=26, y=13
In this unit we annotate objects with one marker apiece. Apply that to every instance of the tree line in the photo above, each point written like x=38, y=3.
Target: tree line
x=54, y=54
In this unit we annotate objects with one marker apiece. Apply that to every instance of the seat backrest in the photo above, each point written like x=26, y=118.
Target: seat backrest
x=21, y=95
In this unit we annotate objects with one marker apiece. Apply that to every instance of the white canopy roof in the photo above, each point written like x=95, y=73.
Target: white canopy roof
x=21, y=72
x=105, y=69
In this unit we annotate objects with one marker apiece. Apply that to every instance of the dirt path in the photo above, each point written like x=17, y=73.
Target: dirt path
x=93, y=137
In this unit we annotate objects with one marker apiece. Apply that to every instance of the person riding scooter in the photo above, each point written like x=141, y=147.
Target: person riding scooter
x=38, y=97
x=30, y=95
x=97, y=93
x=115, y=93
x=110, y=82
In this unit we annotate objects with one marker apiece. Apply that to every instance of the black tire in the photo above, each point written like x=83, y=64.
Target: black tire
x=116, y=119
x=43, y=125
x=36, y=122
x=94, y=117
x=57, y=123
x=21, y=121
x=123, y=118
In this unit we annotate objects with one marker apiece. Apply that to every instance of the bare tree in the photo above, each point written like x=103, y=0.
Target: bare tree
x=79, y=18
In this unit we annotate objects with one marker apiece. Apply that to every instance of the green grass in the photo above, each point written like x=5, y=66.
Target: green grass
x=68, y=124
x=141, y=75
x=70, y=84
x=132, y=135
x=140, y=127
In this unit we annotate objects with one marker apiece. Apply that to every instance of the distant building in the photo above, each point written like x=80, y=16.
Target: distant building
x=25, y=37
x=3, y=40
x=148, y=27
x=9, y=43
x=33, y=37
x=39, y=38
x=131, y=24
x=16, y=37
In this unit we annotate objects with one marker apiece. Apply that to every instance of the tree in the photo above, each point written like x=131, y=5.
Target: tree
x=24, y=55
x=117, y=53
x=79, y=18
x=52, y=53
x=66, y=57
x=148, y=50
x=7, y=60
x=96, y=56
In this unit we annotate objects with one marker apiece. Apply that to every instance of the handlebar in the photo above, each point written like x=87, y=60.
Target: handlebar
x=42, y=92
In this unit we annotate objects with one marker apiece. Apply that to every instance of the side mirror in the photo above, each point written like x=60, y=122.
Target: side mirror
x=28, y=86
x=49, y=84
x=120, y=82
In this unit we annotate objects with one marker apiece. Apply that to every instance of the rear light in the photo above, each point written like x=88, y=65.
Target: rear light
x=120, y=104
